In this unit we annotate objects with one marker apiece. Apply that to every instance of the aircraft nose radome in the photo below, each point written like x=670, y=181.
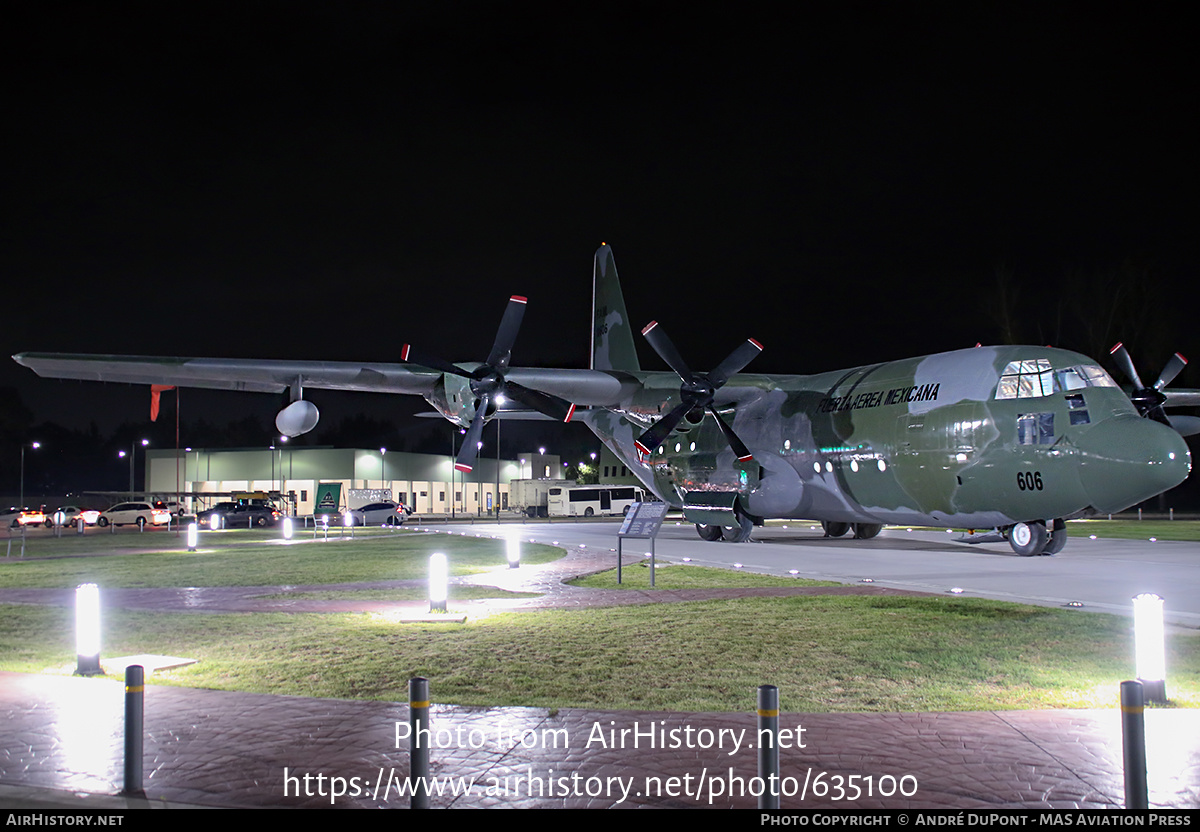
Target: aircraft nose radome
x=1128, y=459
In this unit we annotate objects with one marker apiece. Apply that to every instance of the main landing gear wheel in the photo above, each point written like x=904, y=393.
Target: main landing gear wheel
x=834, y=528
x=709, y=533
x=1029, y=539
x=741, y=532
x=1058, y=539
x=865, y=531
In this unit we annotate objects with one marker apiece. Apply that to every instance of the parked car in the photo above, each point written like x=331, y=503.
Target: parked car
x=17, y=517
x=386, y=513
x=140, y=514
x=73, y=513
x=239, y=516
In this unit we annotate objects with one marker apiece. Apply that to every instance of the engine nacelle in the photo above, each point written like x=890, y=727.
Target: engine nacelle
x=454, y=399
x=297, y=418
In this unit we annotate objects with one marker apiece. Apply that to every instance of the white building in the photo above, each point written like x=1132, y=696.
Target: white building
x=426, y=482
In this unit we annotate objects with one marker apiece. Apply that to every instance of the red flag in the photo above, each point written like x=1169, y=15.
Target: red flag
x=155, y=391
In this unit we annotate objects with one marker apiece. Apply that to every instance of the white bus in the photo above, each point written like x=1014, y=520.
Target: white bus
x=591, y=500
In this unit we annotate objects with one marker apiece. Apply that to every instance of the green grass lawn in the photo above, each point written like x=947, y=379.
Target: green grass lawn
x=1136, y=529
x=826, y=653
x=244, y=558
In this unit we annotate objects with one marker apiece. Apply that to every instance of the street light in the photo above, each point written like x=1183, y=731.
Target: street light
x=132, y=450
x=35, y=446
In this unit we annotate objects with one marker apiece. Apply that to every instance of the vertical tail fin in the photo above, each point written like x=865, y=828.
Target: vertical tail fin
x=612, y=336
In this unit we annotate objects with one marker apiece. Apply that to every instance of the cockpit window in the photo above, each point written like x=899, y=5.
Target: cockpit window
x=1034, y=378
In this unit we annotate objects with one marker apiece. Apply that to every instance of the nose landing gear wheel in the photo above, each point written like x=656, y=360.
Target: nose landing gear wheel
x=1058, y=539
x=1029, y=539
x=709, y=533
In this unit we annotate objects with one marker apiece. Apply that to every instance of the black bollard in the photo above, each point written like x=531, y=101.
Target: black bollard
x=134, y=699
x=418, y=720
x=768, y=745
x=1133, y=737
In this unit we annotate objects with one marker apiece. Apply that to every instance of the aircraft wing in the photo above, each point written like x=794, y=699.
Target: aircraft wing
x=263, y=376
x=1180, y=397
x=583, y=387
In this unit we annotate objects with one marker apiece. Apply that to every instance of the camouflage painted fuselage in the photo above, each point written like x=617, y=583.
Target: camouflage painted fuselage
x=949, y=438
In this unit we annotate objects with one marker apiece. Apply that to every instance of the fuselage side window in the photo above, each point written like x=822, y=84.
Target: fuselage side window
x=1035, y=429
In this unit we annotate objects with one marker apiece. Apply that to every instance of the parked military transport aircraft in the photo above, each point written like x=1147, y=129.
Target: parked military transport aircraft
x=1013, y=438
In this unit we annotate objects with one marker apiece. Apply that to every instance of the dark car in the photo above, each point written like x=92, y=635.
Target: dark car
x=239, y=516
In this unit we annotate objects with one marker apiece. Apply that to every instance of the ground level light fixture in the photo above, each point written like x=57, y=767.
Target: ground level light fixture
x=1148, y=637
x=437, y=582
x=87, y=630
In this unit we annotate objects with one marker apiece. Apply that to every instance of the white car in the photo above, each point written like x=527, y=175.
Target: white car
x=141, y=514
x=386, y=513
x=17, y=517
x=71, y=514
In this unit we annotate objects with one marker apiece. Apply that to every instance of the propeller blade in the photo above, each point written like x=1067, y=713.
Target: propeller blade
x=1121, y=356
x=739, y=447
x=552, y=406
x=1177, y=363
x=746, y=352
x=666, y=351
x=470, y=446
x=660, y=430
x=506, y=335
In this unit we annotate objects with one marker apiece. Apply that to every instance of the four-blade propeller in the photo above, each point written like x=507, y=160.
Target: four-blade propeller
x=1149, y=400
x=488, y=382
x=698, y=391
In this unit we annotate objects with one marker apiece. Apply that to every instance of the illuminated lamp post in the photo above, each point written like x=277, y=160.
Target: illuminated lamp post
x=132, y=451
x=35, y=446
x=87, y=630
x=287, y=504
x=514, y=551
x=438, y=581
x=193, y=536
x=1151, y=654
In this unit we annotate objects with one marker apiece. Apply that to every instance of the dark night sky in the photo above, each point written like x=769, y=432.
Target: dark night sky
x=332, y=180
